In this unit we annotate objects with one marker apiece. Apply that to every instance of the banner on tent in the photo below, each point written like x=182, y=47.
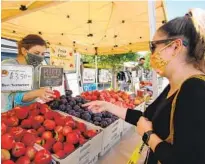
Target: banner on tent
x=89, y=75
x=62, y=57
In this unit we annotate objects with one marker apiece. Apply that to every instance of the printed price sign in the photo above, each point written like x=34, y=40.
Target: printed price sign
x=89, y=75
x=50, y=76
x=16, y=77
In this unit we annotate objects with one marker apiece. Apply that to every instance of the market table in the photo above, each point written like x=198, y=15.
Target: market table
x=121, y=151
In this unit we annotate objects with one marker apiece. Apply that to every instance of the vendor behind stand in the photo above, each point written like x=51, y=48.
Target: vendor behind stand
x=30, y=52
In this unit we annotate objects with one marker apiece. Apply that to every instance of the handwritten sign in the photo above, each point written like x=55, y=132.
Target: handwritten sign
x=16, y=77
x=62, y=57
x=89, y=75
x=50, y=76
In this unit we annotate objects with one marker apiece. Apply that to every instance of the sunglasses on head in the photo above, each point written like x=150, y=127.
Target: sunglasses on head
x=153, y=44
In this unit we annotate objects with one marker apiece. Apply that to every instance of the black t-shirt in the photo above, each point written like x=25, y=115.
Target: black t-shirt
x=189, y=124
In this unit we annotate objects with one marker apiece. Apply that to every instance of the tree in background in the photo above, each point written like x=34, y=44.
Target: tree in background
x=147, y=61
x=113, y=62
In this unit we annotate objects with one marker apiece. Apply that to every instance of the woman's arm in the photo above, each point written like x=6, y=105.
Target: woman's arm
x=129, y=115
x=44, y=94
x=18, y=99
x=26, y=98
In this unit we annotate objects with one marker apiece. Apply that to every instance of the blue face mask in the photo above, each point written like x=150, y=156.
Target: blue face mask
x=33, y=59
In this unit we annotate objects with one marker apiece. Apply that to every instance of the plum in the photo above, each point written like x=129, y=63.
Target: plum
x=62, y=107
x=76, y=107
x=68, y=92
x=97, y=119
x=64, y=101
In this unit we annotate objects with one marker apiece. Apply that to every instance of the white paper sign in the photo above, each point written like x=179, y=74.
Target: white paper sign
x=88, y=75
x=16, y=77
x=104, y=76
x=73, y=83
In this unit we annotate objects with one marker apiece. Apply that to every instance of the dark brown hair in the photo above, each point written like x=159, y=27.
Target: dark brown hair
x=184, y=27
x=29, y=41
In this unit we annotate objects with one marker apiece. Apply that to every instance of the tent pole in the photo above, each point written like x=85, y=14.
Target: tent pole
x=152, y=24
x=96, y=71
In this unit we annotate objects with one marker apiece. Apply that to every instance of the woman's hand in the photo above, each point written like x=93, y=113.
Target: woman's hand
x=45, y=94
x=98, y=106
x=143, y=125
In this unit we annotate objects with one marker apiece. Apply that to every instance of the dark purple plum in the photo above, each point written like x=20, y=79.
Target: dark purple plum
x=63, y=97
x=103, y=124
x=77, y=114
x=68, y=92
x=63, y=101
x=97, y=115
x=76, y=107
x=97, y=119
x=72, y=102
x=86, y=116
x=54, y=104
x=96, y=123
x=62, y=107
x=108, y=120
x=68, y=107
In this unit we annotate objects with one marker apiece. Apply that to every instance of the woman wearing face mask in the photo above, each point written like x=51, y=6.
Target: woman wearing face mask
x=30, y=52
x=173, y=126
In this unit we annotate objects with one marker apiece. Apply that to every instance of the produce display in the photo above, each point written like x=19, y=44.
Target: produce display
x=73, y=106
x=119, y=98
x=138, y=100
x=22, y=127
x=145, y=83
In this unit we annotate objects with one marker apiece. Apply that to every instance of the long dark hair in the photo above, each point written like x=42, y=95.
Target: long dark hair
x=29, y=41
x=186, y=28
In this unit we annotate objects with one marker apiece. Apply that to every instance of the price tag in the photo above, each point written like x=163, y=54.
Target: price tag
x=135, y=155
x=16, y=77
x=50, y=76
x=89, y=75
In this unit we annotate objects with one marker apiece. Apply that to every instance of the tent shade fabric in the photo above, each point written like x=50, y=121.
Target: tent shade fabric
x=97, y=27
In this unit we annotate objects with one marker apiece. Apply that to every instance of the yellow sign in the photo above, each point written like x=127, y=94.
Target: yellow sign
x=62, y=57
x=135, y=155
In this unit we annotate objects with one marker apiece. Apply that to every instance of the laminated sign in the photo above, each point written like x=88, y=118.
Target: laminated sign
x=104, y=76
x=50, y=76
x=62, y=57
x=88, y=75
x=16, y=77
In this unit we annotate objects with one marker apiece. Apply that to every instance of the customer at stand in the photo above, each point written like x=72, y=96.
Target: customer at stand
x=173, y=126
x=30, y=52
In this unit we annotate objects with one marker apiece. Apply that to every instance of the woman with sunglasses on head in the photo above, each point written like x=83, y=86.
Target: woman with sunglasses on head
x=173, y=126
x=30, y=52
